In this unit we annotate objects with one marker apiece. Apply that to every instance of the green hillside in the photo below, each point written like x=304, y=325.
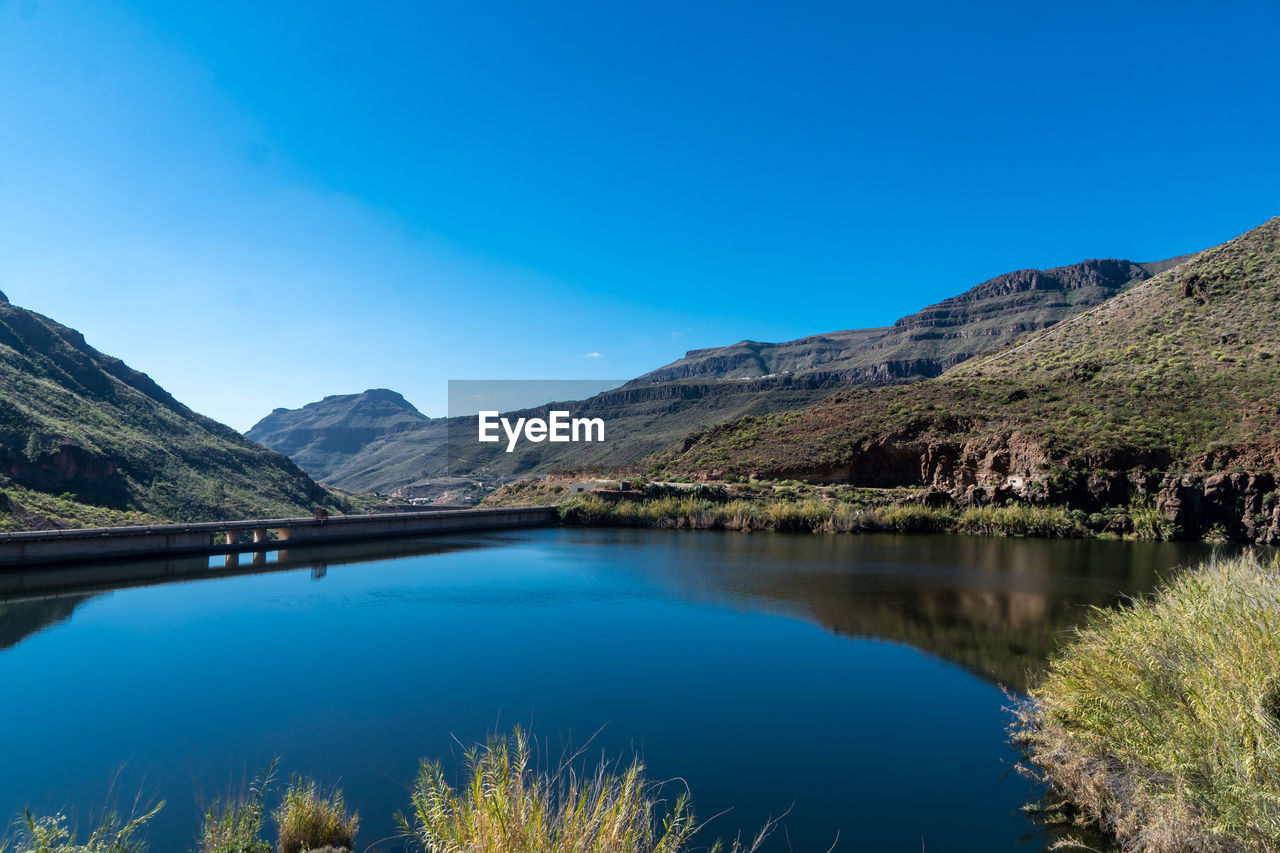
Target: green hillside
x=1168, y=390
x=86, y=439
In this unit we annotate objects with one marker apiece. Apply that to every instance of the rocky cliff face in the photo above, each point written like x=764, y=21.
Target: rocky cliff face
x=1230, y=494
x=69, y=469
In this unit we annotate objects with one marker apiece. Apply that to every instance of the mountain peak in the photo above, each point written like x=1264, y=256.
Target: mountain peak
x=321, y=435
x=380, y=398
x=386, y=395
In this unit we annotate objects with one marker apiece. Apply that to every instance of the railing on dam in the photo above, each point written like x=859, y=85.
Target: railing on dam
x=35, y=547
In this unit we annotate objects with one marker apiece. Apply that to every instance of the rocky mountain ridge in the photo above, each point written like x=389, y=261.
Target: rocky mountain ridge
x=932, y=340
x=335, y=441
x=1163, y=395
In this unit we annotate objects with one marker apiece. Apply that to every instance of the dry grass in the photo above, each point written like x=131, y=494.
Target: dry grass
x=1161, y=721
x=1048, y=522
x=310, y=819
x=509, y=806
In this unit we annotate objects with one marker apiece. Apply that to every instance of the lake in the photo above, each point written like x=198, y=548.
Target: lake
x=854, y=680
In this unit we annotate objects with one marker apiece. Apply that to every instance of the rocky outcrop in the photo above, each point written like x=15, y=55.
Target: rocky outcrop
x=67, y=469
x=1224, y=500
x=1241, y=506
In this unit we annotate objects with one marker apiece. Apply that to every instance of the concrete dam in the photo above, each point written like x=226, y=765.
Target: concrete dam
x=30, y=549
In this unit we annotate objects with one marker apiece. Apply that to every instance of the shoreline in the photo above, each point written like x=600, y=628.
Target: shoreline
x=843, y=510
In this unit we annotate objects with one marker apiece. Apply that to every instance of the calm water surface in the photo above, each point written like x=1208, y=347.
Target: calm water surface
x=854, y=680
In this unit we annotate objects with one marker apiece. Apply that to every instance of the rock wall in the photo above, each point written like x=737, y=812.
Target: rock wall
x=1228, y=493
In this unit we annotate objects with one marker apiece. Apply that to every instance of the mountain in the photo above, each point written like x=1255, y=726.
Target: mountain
x=1167, y=392
x=928, y=342
x=371, y=441
x=85, y=438
x=350, y=442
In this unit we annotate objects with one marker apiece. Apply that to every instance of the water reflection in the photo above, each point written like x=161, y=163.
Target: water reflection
x=20, y=619
x=33, y=601
x=996, y=606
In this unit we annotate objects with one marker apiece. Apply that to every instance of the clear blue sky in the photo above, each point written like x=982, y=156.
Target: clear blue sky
x=262, y=203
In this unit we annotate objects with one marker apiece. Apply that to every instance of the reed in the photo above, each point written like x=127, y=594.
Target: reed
x=234, y=823
x=309, y=818
x=509, y=805
x=51, y=834
x=818, y=516
x=1049, y=522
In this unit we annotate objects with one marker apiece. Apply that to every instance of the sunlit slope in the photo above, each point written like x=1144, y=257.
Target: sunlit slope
x=78, y=427
x=922, y=345
x=1177, y=373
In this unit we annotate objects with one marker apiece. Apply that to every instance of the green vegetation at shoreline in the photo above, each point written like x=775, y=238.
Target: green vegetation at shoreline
x=27, y=509
x=507, y=804
x=1161, y=721
x=814, y=516
x=808, y=509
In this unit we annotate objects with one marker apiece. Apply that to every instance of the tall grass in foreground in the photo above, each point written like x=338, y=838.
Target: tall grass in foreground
x=509, y=806
x=310, y=819
x=1162, y=720
x=52, y=835
x=234, y=823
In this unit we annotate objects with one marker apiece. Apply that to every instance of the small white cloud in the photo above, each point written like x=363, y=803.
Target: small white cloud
x=677, y=334
x=591, y=355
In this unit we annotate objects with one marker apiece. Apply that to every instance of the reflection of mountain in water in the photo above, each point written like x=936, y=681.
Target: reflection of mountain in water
x=21, y=619
x=995, y=606
x=998, y=607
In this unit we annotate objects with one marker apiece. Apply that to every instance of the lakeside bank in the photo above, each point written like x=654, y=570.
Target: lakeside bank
x=802, y=508
x=1160, y=721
